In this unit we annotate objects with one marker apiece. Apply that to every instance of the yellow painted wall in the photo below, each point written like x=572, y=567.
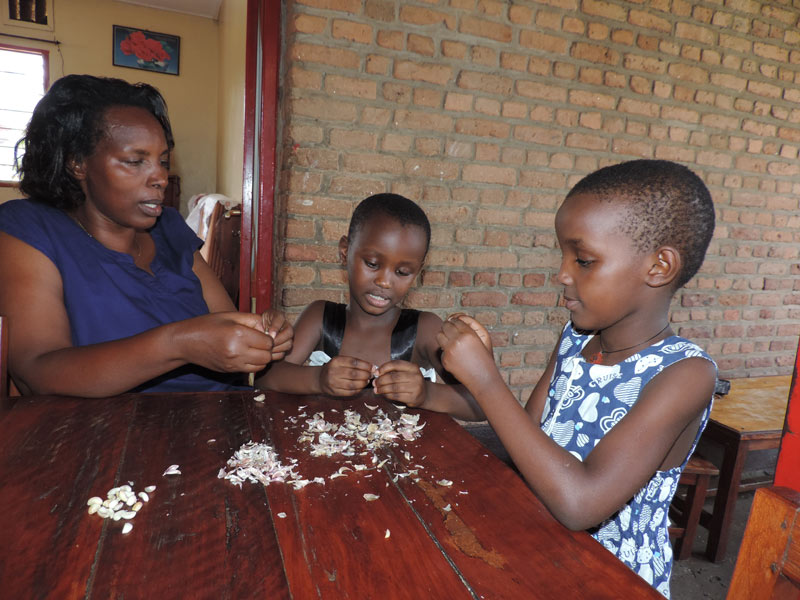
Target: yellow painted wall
x=232, y=36
x=84, y=30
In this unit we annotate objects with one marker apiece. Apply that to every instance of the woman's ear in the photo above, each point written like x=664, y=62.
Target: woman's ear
x=344, y=244
x=665, y=266
x=77, y=169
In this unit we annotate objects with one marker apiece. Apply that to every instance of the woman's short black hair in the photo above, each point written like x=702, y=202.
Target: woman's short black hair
x=394, y=206
x=66, y=126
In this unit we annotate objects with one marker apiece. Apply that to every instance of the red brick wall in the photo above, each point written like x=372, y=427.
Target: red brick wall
x=486, y=113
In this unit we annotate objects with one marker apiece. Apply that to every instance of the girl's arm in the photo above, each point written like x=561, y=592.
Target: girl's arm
x=342, y=376
x=583, y=494
x=42, y=359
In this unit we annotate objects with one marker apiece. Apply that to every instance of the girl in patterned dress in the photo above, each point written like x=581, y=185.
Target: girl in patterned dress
x=610, y=425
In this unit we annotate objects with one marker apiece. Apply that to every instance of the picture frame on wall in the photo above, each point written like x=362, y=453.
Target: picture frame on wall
x=136, y=48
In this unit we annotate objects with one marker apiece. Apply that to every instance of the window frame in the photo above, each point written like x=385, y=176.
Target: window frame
x=7, y=21
x=45, y=54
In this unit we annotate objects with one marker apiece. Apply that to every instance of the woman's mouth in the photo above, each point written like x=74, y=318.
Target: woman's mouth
x=151, y=209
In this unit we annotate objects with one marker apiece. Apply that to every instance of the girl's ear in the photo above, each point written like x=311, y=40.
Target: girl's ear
x=665, y=266
x=344, y=243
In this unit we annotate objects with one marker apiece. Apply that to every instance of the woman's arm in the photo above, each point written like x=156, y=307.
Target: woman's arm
x=42, y=359
x=621, y=463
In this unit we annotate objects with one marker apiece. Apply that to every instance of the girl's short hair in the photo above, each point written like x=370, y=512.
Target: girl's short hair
x=667, y=205
x=394, y=206
x=66, y=126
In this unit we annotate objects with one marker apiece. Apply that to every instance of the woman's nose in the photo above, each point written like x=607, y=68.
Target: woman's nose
x=160, y=177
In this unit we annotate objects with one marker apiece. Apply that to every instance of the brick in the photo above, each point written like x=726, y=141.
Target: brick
x=335, y=57
x=594, y=53
x=482, y=128
x=485, y=28
x=350, y=86
x=417, y=15
x=536, y=40
x=592, y=99
x=309, y=24
x=649, y=20
x=359, y=33
x=420, y=44
x=499, y=260
x=429, y=73
x=407, y=119
x=483, y=299
x=538, y=135
x=606, y=10
x=541, y=91
x=485, y=82
x=305, y=296
x=380, y=10
x=489, y=174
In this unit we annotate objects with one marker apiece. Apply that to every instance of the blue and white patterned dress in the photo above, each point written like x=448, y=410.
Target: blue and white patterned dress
x=584, y=402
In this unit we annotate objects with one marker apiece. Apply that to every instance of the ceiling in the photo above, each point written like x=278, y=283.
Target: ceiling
x=201, y=8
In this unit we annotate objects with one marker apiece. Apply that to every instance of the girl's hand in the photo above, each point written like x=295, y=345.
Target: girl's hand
x=400, y=381
x=479, y=329
x=344, y=376
x=280, y=330
x=466, y=350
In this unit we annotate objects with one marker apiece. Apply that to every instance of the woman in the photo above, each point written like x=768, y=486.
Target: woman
x=104, y=288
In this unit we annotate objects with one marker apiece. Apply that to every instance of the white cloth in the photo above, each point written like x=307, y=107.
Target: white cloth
x=201, y=206
x=319, y=358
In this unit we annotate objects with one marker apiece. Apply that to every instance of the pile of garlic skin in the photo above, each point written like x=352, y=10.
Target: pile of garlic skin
x=121, y=503
x=259, y=462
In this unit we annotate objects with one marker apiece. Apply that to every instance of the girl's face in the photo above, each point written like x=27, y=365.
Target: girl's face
x=383, y=259
x=125, y=177
x=602, y=274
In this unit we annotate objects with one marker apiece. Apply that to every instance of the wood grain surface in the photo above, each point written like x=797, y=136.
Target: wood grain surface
x=483, y=536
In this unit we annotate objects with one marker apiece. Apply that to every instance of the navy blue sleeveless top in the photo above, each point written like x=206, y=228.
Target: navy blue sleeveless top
x=107, y=297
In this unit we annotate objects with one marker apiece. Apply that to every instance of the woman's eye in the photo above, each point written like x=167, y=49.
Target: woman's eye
x=133, y=162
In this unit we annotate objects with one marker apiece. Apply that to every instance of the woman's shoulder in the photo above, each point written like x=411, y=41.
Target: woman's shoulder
x=25, y=208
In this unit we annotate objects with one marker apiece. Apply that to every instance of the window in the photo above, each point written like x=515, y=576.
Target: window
x=23, y=71
x=30, y=11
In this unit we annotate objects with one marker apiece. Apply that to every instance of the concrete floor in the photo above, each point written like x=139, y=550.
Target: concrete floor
x=695, y=578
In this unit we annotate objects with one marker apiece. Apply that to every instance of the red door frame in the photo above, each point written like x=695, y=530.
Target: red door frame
x=787, y=473
x=262, y=65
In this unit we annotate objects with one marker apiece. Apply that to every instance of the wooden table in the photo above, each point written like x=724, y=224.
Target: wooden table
x=750, y=417
x=484, y=536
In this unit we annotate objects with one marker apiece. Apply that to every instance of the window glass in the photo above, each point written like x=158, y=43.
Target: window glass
x=23, y=76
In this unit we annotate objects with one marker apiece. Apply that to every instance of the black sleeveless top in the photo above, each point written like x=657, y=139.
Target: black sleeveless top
x=404, y=334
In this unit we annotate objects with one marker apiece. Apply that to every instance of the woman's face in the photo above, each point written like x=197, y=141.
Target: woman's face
x=125, y=177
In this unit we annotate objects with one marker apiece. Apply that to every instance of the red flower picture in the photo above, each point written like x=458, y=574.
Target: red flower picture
x=148, y=50
x=143, y=47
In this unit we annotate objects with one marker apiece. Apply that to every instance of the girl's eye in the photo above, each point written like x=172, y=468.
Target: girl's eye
x=403, y=273
x=371, y=264
x=583, y=262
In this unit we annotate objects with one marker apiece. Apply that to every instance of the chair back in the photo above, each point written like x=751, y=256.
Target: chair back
x=768, y=565
x=221, y=247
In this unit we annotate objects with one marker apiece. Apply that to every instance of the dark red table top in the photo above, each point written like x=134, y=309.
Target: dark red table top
x=199, y=536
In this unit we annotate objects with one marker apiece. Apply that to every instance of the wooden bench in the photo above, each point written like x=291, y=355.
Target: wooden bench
x=686, y=509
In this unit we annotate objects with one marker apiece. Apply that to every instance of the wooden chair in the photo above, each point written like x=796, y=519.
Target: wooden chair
x=768, y=565
x=686, y=509
x=221, y=247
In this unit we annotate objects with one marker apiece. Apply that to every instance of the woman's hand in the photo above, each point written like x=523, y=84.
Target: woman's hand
x=400, y=381
x=466, y=351
x=226, y=342
x=344, y=376
x=281, y=331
